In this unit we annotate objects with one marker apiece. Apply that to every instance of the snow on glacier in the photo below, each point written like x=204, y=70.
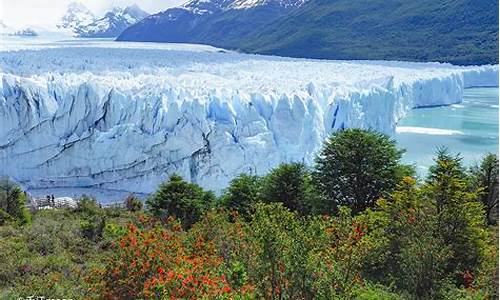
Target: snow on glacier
x=124, y=116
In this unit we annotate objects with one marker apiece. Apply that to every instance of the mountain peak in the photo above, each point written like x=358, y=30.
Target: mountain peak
x=77, y=7
x=245, y=4
x=76, y=15
x=196, y=20
x=201, y=7
x=135, y=11
x=110, y=25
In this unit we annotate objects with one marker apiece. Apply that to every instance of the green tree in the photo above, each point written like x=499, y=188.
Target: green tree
x=132, y=203
x=432, y=238
x=242, y=194
x=290, y=184
x=356, y=167
x=485, y=177
x=88, y=206
x=13, y=203
x=411, y=255
x=93, y=219
x=180, y=199
x=460, y=219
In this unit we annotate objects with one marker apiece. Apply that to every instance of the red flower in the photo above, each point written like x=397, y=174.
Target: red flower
x=170, y=275
x=281, y=267
x=468, y=278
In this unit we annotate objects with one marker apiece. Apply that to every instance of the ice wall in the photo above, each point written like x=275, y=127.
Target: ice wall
x=126, y=119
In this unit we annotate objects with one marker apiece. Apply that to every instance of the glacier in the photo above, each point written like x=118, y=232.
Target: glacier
x=125, y=116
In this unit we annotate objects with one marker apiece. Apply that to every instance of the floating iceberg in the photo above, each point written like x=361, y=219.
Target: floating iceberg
x=125, y=116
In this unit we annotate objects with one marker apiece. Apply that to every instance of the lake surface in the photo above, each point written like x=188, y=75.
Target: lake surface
x=469, y=128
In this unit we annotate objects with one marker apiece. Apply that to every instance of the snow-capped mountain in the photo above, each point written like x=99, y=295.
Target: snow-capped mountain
x=85, y=24
x=201, y=7
x=77, y=16
x=334, y=29
x=249, y=4
x=125, y=116
x=212, y=6
x=202, y=21
x=114, y=22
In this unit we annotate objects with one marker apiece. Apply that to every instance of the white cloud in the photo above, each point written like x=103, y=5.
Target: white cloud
x=19, y=13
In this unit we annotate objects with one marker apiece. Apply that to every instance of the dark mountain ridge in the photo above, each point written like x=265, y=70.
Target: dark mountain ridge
x=456, y=31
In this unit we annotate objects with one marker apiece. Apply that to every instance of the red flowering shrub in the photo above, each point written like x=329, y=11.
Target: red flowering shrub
x=157, y=262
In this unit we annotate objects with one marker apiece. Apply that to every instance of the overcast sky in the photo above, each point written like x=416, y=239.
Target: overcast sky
x=48, y=12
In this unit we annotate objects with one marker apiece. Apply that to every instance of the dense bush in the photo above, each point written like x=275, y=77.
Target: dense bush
x=485, y=178
x=183, y=200
x=434, y=235
x=290, y=184
x=12, y=203
x=242, y=194
x=312, y=258
x=88, y=206
x=459, y=216
x=132, y=203
x=278, y=255
x=93, y=221
x=159, y=262
x=412, y=255
x=51, y=257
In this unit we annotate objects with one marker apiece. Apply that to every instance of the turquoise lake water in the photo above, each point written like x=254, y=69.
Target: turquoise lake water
x=469, y=128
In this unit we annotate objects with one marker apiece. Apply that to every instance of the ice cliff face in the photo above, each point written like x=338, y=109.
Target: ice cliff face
x=122, y=116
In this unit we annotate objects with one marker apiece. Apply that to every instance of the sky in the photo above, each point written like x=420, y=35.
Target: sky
x=46, y=13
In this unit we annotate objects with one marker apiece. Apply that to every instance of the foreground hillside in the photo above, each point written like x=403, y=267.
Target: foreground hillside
x=348, y=228
x=455, y=31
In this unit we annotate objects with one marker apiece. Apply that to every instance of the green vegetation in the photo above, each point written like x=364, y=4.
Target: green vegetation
x=463, y=32
x=356, y=167
x=180, y=199
x=242, y=194
x=414, y=240
x=132, y=203
x=485, y=179
x=290, y=184
x=12, y=203
x=54, y=254
x=455, y=31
